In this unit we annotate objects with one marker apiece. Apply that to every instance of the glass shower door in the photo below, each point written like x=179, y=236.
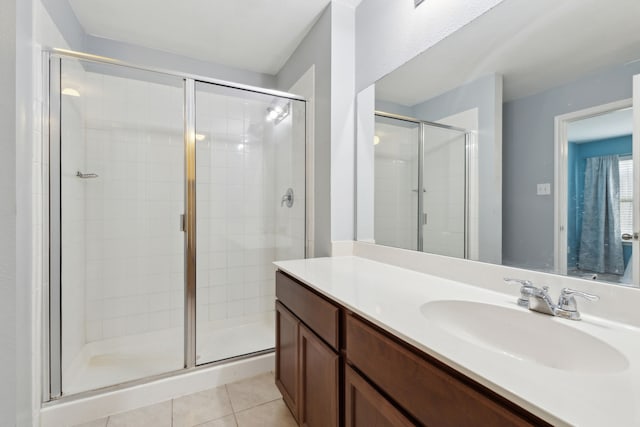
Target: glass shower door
x=117, y=261
x=396, y=165
x=444, y=209
x=250, y=209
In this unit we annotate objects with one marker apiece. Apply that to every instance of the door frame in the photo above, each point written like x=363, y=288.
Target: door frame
x=561, y=183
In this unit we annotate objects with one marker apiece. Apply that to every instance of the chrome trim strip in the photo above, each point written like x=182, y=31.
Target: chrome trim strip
x=420, y=187
x=414, y=120
x=44, y=177
x=466, y=195
x=186, y=76
x=190, y=224
x=55, y=230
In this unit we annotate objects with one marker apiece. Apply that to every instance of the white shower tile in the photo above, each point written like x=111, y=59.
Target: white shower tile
x=235, y=259
x=217, y=294
x=251, y=290
x=235, y=292
x=235, y=275
x=94, y=331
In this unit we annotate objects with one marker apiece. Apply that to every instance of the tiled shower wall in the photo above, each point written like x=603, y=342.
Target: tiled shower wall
x=395, y=190
x=241, y=224
x=73, y=219
x=444, y=184
x=134, y=246
x=130, y=133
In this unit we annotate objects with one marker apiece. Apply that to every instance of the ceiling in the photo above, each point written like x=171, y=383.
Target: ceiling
x=535, y=45
x=610, y=125
x=254, y=35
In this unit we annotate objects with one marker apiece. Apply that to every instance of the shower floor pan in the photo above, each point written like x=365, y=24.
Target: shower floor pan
x=118, y=360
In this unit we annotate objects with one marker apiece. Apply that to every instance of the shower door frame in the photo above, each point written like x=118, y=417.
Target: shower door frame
x=52, y=140
x=422, y=124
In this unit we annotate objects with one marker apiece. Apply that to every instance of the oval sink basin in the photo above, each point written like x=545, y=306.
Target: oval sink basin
x=525, y=335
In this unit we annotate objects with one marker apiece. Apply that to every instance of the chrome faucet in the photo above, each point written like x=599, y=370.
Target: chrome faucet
x=538, y=299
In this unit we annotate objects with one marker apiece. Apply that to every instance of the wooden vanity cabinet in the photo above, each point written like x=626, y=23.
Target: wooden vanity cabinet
x=365, y=407
x=287, y=359
x=337, y=369
x=307, y=359
x=430, y=392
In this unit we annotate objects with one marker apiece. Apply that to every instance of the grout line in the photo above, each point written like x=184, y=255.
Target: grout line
x=233, y=410
x=172, y=412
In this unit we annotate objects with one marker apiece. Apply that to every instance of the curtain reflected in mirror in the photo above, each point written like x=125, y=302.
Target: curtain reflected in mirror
x=600, y=197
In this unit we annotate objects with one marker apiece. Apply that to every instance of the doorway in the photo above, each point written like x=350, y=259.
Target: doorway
x=595, y=193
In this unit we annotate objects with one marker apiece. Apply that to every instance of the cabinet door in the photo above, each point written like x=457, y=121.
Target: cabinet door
x=319, y=369
x=365, y=407
x=287, y=357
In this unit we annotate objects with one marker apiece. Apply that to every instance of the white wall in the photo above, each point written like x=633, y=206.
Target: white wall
x=342, y=121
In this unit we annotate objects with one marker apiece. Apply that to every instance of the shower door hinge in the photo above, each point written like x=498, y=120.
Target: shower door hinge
x=182, y=223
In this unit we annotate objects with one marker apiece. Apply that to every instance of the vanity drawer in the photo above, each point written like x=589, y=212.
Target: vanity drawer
x=433, y=394
x=316, y=312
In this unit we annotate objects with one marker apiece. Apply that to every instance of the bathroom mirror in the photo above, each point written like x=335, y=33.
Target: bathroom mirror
x=511, y=142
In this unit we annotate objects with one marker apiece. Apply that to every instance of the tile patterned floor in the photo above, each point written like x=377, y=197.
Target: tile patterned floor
x=249, y=403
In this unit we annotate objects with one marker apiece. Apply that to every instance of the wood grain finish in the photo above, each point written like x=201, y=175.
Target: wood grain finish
x=287, y=357
x=365, y=407
x=432, y=395
x=313, y=310
x=319, y=380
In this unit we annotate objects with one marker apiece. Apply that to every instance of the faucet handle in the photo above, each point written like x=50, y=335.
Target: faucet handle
x=567, y=301
x=526, y=288
x=518, y=282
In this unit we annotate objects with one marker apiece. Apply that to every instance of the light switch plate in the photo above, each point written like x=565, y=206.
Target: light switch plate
x=544, y=189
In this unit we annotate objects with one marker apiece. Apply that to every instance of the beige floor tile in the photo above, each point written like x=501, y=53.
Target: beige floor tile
x=272, y=414
x=253, y=392
x=102, y=422
x=228, y=421
x=158, y=415
x=201, y=407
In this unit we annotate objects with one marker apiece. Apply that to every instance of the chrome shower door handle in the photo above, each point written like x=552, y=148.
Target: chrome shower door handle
x=86, y=175
x=287, y=198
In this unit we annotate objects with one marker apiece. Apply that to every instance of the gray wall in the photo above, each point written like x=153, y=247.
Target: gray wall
x=528, y=150
x=139, y=55
x=315, y=49
x=61, y=13
x=8, y=211
x=389, y=33
x=393, y=108
x=73, y=33
x=16, y=122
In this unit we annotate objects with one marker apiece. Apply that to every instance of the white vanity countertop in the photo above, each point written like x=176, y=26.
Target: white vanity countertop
x=391, y=298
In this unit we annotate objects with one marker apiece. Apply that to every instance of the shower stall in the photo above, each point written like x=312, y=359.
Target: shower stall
x=421, y=185
x=169, y=198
